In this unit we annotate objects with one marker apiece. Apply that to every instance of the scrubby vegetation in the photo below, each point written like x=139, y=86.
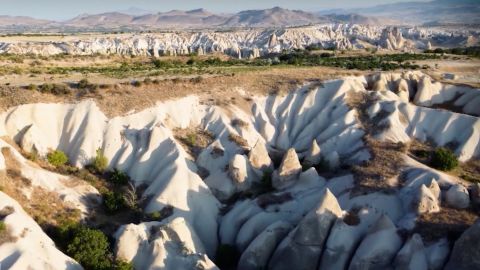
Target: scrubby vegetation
x=117, y=177
x=146, y=67
x=100, y=162
x=470, y=51
x=57, y=158
x=113, y=202
x=90, y=247
x=53, y=88
x=444, y=159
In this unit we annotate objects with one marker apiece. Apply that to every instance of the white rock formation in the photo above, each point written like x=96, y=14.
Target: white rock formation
x=457, y=196
x=247, y=43
x=258, y=253
x=412, y=255
x=288, y=172
x=302, y=248
x=378, y=249
x=166, y=245
x=466, y=251
x=29, y=247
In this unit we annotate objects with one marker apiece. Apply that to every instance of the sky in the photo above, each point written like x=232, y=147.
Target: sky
x=65, y=9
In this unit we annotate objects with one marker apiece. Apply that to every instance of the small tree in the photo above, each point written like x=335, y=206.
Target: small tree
x=90, y=248
x=113, y=202
x=57, y=158
x=118, y=178
x=444, y=159
x=100, y=163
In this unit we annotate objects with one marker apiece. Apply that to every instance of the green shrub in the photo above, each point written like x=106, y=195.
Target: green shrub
x=118, y=177
x=160, y=215
x=32, y=87
x=83, y=83
x=122, y=265
x=137, y=83
x=444, y=159
x=90, y=248
x=3, y=226
x=100, y=163
x=191, y=139
x=46, y=88
x=60, y=89
x=191, y=61
x=113, y=202
x=57, y=158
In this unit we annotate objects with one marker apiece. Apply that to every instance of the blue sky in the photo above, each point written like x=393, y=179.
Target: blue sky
x=64, y=9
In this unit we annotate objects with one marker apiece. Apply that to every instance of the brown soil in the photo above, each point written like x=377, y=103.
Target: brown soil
x=120, y=98
x=448, y=222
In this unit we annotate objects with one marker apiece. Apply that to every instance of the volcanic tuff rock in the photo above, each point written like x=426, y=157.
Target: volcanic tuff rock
x=466, y=252
x=249, y=43
x=311, y=221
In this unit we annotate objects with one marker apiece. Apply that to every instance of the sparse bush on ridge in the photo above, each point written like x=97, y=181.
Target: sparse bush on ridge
x=113, y=202
x=57, y=158
x=100, y=162
x=444, y=159
x=118, y=177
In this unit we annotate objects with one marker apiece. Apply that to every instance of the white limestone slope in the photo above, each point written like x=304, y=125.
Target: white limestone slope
x=30, y=248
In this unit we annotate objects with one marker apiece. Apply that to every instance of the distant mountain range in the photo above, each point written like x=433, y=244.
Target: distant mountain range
x=435, y=12
x=439, y=12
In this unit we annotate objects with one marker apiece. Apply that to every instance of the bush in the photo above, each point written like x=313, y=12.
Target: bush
x=32, y=87
x=191, y=61
x=118, y=177
x=122, y=265
x=137, y=83
x=83, y=83
x=57, y=158
x=197, y=79
x=46, y=88
x=444, y=159
x=113, y=202
x=90, y=248
x=100, y=163
x=3, y=227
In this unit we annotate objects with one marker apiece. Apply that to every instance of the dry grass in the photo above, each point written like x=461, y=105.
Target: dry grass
x=44, y=206
x=448, y=222
x=122, y=97
x=386, y=162
x=194, y=140
x=238, y=140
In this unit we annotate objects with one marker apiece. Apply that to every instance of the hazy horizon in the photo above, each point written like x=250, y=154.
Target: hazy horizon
x=61, y=10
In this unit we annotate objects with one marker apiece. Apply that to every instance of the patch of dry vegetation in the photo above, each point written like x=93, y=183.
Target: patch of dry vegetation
x=44, y=206
x=194, y=140
x=118, y=97
x=448, y=222
x=385, y=163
